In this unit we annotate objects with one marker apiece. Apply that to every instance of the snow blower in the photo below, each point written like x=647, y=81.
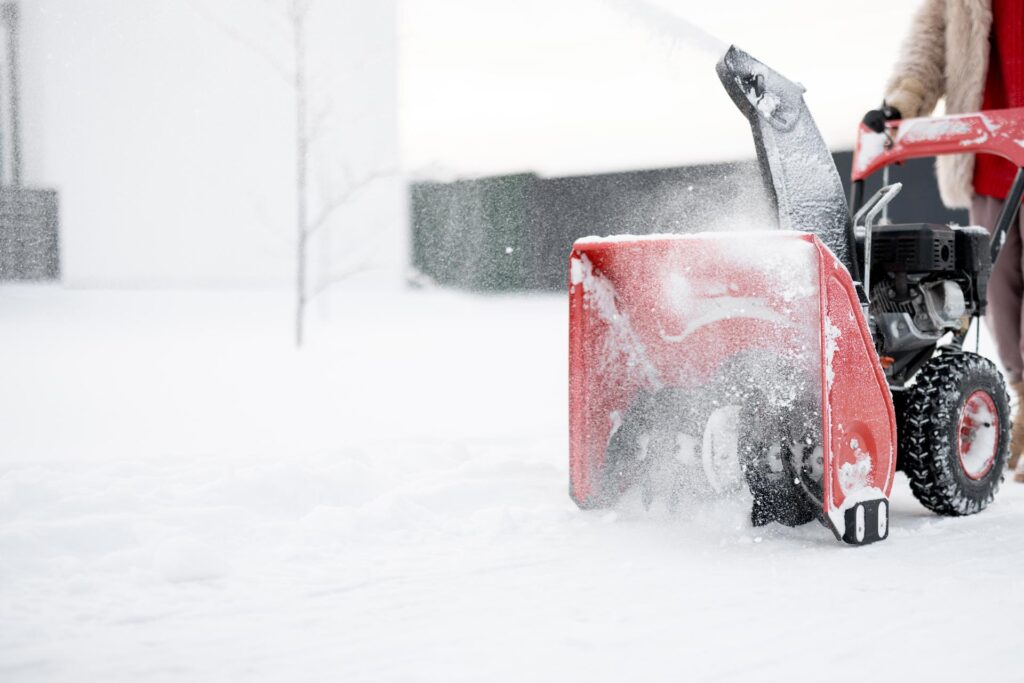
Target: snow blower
x=800, y=366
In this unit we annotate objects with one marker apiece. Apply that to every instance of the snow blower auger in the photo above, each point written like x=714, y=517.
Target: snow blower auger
x=767, y=361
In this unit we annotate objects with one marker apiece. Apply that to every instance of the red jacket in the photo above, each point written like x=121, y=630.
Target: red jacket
x=1004, y=89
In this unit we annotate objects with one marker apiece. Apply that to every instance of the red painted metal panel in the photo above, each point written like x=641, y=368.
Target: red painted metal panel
x=999, y=132
x=676, y=311
x=860, y=453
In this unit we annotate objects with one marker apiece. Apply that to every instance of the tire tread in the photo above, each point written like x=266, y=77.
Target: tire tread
x=927, y=456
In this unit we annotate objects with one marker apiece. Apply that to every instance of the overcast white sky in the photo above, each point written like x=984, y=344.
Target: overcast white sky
x=581, y=86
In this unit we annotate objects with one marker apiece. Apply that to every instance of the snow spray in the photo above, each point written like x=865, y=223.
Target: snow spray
x=671, y=26
x=704, y=205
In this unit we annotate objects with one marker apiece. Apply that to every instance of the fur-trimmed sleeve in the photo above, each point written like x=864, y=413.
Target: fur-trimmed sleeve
x=918, y=80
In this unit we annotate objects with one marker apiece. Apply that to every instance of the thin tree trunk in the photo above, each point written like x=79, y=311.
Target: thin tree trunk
x=301, y=161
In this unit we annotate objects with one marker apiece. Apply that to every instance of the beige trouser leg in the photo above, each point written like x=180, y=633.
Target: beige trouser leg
x=1005, y=301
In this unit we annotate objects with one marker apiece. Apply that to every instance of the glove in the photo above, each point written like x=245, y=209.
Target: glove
x=876, y=118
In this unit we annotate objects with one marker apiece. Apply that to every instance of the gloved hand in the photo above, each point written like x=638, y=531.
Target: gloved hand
x=876, y=118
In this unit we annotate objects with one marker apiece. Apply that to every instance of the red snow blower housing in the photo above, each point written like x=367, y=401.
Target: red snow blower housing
x=800, y=366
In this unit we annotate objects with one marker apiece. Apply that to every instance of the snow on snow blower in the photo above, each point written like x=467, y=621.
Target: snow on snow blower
x=801, y=365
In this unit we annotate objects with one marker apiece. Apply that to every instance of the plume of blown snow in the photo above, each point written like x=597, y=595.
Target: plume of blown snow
x=671, y=26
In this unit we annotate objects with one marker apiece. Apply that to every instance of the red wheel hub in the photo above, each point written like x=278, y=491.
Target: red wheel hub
x=978, y=434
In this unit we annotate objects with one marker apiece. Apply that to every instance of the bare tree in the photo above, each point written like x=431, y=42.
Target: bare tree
x=295, y=72
x=298, y=12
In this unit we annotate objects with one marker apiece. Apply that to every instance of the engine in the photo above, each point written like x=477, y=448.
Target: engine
x=927, y=280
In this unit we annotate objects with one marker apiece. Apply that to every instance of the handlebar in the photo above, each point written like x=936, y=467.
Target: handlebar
x=999, y=132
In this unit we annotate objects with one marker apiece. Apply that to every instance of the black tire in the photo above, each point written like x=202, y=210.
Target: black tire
x=899, y=404
x=930, y=442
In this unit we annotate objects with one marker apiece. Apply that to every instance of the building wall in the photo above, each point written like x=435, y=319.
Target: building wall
x=167, y=126
x=514, y=233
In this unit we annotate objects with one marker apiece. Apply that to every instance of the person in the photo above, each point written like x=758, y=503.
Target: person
x=971, y=52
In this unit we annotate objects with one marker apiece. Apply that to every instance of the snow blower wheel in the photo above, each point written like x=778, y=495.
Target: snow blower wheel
x=955, y=434
x=899, y=406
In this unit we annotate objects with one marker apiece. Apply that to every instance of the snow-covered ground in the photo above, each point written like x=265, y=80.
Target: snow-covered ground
x=185, y=497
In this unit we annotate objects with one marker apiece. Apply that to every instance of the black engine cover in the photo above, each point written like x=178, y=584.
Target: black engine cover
x=914, y=248
x=973, y=256
x=972, y=250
